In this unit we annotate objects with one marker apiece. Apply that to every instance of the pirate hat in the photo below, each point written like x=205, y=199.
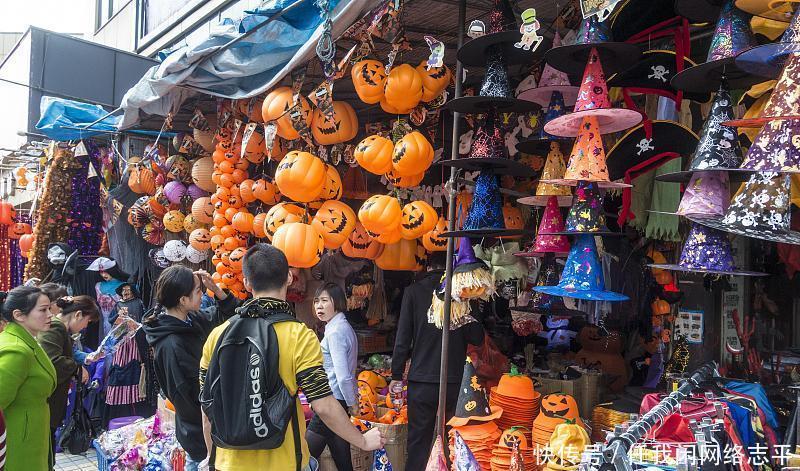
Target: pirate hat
x=718, y=148
x=502, y=34
x=631, y=18
x=552, y=222
x=708, y=251
x=700, y=11
x=554, y=169
x=731, y=37
x=780, y=10
x=593, y=101
x=586, y=216
x=768, y=60
x=550, y=82
x=707, y=194
x=485, y=214
x=587, y=162
x=541, y=303
x=760, y=210
x=784, y=102
x=582, y=277
x=473, y=404
x=593, y=35
x=488, y=151
x=647, y=146
x=653, y=73
x=542, y=141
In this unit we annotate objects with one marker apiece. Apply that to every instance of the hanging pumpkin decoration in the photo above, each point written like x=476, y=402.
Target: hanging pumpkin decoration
x=400, y=256
x=141, y=180
x=361, y=245
x=403, y=90
x=335, y=221
x=200, y=239
x=418, y=218
x=236, y=258
x=258, y=225
x=278, y=150
x=7, y=213
x=243, y=222
x=374, y=154
x=201, y=174
x=173, y=221
x=431, y=240
x=280, y=214
x=190, y=223
x=405, y=182
x=266, y=191
x=255, y=151
x=343, y=128
x=301, y=176
x=26, y=243
x=380, y=214
x=254, y=114
x=369, y=79
x=387, y=237
x=178, y=168
x=434, y=81
x=18, y=230
x=512, y=217
x=391, y=109
x=301, y=244
x=412, y=155
x=660, y=307
x=246, y=191
x=332, y=188
x=276, y=108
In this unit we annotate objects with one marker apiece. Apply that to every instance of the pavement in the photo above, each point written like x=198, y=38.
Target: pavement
x=84, y=462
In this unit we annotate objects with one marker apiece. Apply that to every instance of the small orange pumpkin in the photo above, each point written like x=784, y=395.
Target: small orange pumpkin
x=301, y=176
x=200, y=239
x=243, y=222
x=660, y=307
x=26, y=243
x=434, y=81
x=418, y=218
x=431, y=240
x=400, y=256
x=332, y=188
x=412, y=155
x=266, y=191
x=374, y=154
x=255, y=151
x=361, y=245
x=343, y=128
x=380, y=214
x=203, y=210
x=335, y=221
x=403, y=89
x=280, y=214
x=512, y=217
x=18, y=230
x=301, y=244
x=369, y=78
x=141, y=180
x=276, y=108
x=258, y=225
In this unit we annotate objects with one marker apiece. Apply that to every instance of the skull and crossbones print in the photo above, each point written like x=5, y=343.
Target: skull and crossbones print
x=659, y=73
x=645, y=145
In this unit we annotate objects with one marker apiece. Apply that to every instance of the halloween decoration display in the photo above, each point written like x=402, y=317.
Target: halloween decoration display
x=343, y=127
x=369, y=79
x=301, y=243
x=276, y=107
x=335, y=221
x=301, y=176
x=360, y=245
x=418, y=218
x=412, y=155
x=374, y=154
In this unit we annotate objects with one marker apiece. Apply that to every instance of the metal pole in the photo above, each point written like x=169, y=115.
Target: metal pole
x=441, y=429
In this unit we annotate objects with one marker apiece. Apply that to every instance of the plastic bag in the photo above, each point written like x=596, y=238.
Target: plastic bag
x=489, y=362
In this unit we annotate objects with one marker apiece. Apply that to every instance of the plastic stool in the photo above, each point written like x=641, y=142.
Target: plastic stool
x=120, y=422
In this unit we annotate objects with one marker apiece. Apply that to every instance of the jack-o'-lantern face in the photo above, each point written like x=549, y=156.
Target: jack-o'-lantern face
x=560, y=406
x=335, y=221
x=431, y=240
x=369, y=78
x=512, y=217
x=514, y=436
x=361, y=245
x=418, y=218
x=18, y=230
x=280, y=214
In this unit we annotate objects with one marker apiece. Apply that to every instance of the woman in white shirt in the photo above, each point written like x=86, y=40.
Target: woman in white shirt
x=339, y=358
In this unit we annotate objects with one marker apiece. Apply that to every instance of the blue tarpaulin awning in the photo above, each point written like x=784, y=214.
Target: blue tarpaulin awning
x=60, y=118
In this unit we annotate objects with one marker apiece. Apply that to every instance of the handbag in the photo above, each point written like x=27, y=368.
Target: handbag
x=77, y=436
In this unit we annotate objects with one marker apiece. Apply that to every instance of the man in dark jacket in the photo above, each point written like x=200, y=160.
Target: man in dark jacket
x=177, y=347
x=422, y=341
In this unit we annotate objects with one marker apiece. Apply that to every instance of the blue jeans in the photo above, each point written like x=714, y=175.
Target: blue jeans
x=190, y=465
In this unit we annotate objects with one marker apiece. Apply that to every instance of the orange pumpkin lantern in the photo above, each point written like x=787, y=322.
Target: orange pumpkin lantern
x=343, y=127
x=434, y=81
x=253, y=112
x=418, y=218
x=374, y=154
x=391, y=109
x=405, y=182
x=18, y=230
x=200, y=239
x=266, y=191
x=387, y=237
x=369, y=78
x=335, y=221
x=276, y=108
x=201, y=174
x=400, y=256
x=301, y=176
x=246, y=191
x=512, y=217
x=26, y=243
x=380, y=214
x=403, y=89
x=173, y=221
x=255, y=151
x=203, y=210
x=332, y=188
x=280, y=214
x=301, y=244
x=412, y=155
x=243, y=222
x=141, y=180
x=7, y=213
x=660, y=307
x=431, y=240
x=361, y=245
x=258, y=225
x=236, y=257
x=190, y=224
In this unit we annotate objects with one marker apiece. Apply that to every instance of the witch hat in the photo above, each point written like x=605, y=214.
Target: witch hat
x=700, y=11
x=593, y=101
x=485, y=214
x=708, y=251
x=542, y=140
x=593, y=35
x=586, y=215
x=550, y=82
x=760, y=210
x=776, y=148
x=472, y=405
x=582, y=277
x=780, y=10
x=587, y=162
x=768, y=60
x=464, y=458
x=707, y=195
x=552, y=222
x=718, y=148
x=783, y=103
x=731, y=37
x=472, y=278
x=554, y=169
x=648, y=146
x=541, y=303
x=653, y=73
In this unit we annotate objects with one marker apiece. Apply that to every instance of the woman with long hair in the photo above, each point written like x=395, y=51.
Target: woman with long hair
x=76, y=314
x=27, y=379
x=339, y=358
x=176, y=330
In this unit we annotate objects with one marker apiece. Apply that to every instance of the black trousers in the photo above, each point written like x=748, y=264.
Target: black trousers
x=423, y=401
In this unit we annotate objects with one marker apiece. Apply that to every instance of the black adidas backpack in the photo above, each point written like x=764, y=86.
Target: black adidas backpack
x=244, y=397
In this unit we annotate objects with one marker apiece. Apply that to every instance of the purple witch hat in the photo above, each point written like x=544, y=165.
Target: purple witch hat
x=582, y=277
x=472, y=278
x=776, y=148
x=769, y=59
x=708, y=251
x=707, y=194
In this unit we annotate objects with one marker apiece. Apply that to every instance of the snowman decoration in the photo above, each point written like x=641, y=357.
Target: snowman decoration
x=530, y=31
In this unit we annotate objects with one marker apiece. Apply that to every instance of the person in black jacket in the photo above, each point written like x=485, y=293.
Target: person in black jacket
x=422, y=342
x=177, y=330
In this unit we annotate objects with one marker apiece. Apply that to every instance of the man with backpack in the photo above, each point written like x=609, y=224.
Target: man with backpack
x=250, y=372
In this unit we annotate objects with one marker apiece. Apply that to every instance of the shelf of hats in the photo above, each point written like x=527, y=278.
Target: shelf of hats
x=614, y=182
